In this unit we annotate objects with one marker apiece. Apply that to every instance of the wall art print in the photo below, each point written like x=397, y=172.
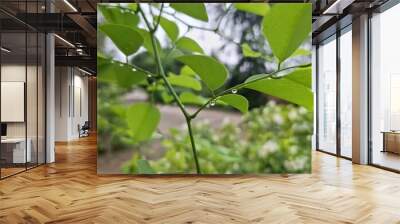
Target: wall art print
x=204, y=88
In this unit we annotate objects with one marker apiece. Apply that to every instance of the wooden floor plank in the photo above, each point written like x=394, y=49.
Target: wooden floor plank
x=70, y=191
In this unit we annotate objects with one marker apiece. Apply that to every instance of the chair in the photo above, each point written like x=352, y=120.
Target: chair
x=84, y=130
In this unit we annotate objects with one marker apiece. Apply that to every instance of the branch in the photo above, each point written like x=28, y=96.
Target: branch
x=161, y=69
x=143, y=70
x=172, y=91
x=242, y=85
x=159, y=18
x=226, y=12
x=187, y=24
x=144, y=17
x=214, y=30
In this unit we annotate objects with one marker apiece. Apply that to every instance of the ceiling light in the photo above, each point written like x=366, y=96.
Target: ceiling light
x=84, y=71
x=5, y=50
x=64, y=40
x=70, y=5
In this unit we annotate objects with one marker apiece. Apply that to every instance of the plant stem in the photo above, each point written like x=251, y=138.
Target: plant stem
x=171, y=89
x=189, y=125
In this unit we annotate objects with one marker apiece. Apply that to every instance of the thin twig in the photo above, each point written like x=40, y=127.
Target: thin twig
x=159, y=18
x=172, y=91
x=242, y=85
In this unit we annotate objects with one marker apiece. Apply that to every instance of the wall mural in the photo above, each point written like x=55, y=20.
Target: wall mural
x=193, y=88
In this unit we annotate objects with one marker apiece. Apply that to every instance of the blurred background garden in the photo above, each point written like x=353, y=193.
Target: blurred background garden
x=274, y=136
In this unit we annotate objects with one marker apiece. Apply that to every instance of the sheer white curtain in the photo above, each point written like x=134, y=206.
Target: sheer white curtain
x=327, y=96
x=346, y=93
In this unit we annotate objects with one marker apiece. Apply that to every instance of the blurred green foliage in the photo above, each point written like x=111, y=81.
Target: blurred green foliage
x=271, y=139
x=111, y=117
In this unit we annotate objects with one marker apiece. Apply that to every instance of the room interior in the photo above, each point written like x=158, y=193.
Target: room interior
x=356, y=158
x=335, y=83
x=385, y=89
x=25, y=102
x=22, y=101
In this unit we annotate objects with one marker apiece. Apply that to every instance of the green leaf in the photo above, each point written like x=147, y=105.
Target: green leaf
x=293, y=88
x=170, y=56
x=286, y=26
x=184, y=81
x=256, y=8
x=117, y=15
x=126, y=78
x=190, y=98
x=301, y=52
x=142, y=119
x=186, y=70
x=212, y=72
x=147, y=41
x=301, y=76
x=237, y=101
x=188, y=44
x=119, y=110
x=102, y=67
x=166, y=97
x=248, y=52
x=132, y=6
x=170, y=28
x=195, y=10
x=127, y=39
x=123, y=74
x=144, y=167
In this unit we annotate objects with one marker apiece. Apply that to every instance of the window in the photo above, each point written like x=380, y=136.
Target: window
x=327, y=96
x=385, y=89
x=22, y=95
x=346, y=93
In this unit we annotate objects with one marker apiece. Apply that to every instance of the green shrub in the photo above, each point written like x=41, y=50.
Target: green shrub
x=272, y=139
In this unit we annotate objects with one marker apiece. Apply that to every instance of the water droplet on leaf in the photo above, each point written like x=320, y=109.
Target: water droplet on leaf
x=234, y=91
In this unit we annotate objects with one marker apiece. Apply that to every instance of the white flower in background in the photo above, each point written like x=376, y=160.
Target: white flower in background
x=278, y=119
x=296, y=164
x=269, y=147
x=300, y=127
x=272, y=103
x=302, y=110
x=293, y=115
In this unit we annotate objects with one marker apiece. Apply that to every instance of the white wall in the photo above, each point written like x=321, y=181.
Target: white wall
x=62, y=81
x=71, y=102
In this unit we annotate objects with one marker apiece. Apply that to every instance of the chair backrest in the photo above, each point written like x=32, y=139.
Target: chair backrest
x=86, y=124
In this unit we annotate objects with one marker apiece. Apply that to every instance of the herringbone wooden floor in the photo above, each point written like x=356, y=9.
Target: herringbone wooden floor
x=69, y=191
